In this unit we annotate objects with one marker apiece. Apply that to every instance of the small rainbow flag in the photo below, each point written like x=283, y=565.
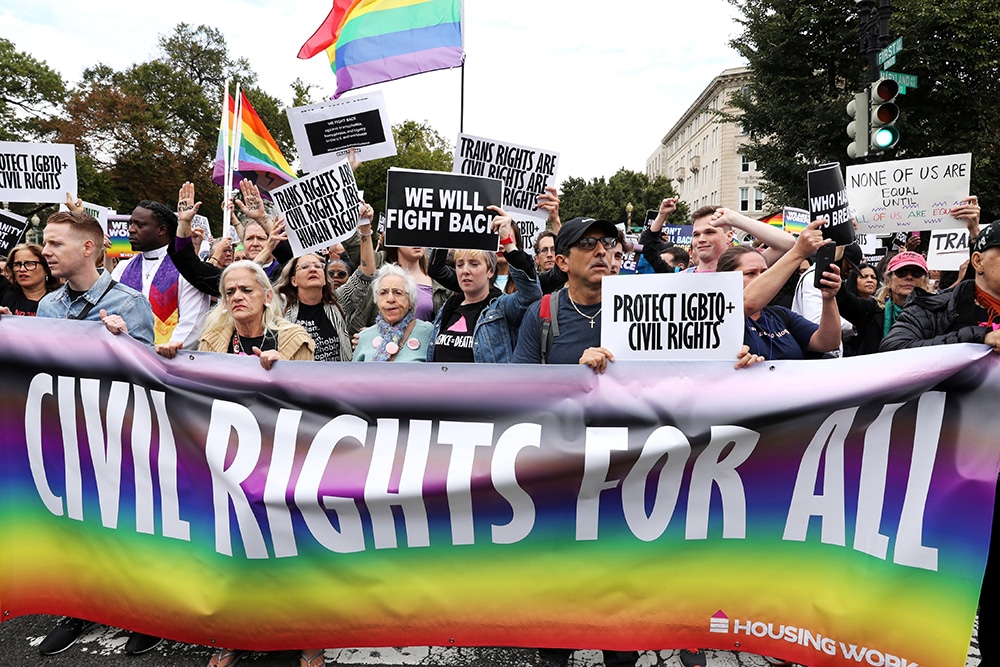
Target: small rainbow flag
x=775, y=220
x=371, y=41
x=260, y=160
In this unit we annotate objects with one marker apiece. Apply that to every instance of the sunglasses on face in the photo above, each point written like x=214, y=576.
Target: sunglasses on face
x=338, y=273
x=588, y=243
x=910, y=272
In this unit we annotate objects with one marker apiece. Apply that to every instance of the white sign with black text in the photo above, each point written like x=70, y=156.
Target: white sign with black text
x=948, y=249
x=325, y=132
x=525, y=172
x=673, y=316
x=37, y=173
x=909, y=195
x=320, y=209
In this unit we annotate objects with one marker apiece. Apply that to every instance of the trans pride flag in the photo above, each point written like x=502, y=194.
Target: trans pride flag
x=371, y=41
x=259, y=158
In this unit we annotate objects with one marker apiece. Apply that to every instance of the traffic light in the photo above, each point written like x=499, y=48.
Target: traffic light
x=857, y=129
x=884, y=114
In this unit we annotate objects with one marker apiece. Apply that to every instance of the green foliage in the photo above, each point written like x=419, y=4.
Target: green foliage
x=30, y=91
x=418, y=146
x=806, y=67
x=606, y=199
x=301, y=93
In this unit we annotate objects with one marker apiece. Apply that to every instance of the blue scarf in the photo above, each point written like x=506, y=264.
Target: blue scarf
x=390, y=334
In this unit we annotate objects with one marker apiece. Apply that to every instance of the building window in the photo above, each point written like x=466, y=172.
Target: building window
x=715, y=137
x=758, y=200
x=715, y=198
x=704, y=146
x=744, y=199
x=744, y=164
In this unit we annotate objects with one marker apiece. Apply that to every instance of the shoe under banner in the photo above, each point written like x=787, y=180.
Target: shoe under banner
x=830, y=512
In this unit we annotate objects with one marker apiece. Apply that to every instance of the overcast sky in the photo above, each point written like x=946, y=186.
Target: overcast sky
x=600, y=87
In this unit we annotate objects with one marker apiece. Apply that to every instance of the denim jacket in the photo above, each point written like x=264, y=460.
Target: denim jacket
x=495, y=333
x=120, y=300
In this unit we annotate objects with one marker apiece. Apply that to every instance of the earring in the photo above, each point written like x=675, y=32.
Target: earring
x=979, y=273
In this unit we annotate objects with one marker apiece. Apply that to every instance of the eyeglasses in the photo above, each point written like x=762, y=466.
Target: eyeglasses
x=909, y=272
x=30, y=265
x=307, y=267
x=546, y=251
x=338, y=274
x=395, y=291
x=588, y=243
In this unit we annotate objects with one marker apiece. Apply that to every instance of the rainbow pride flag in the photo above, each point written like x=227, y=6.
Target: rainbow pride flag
x=260, y=159
x=371, y=41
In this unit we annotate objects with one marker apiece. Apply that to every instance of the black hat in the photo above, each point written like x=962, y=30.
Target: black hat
x=989, y=237
x=573, y=230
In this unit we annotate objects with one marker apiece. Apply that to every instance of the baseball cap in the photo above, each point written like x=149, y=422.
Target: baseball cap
x=573, y=230
x=989, y=237
x=907, y=258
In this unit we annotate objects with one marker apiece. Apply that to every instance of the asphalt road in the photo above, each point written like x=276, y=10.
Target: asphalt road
x=102, y=647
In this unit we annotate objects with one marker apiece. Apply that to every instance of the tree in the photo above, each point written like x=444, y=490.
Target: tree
x=794, y=109
x=143, y=131
x=418, y=146
x=607, y=199
x=30, y=91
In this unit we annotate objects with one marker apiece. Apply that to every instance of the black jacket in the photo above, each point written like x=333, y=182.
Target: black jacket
x=937, y=319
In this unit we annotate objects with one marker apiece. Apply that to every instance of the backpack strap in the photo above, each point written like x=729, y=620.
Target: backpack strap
x=548, y=311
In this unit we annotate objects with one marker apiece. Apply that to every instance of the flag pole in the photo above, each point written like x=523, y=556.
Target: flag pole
x=224, y=131
x=461, y=104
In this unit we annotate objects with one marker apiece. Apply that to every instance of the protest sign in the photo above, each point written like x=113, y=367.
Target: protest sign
x=828, y=199
x=121, y=247
x=794, y=220
x=949, y=248
x=12, y=228
x=325, y=132
x=909, y=195
x=98, y=212
x=434, y=209
x=525, y=172
x=651, y=214
x=678, y=234
x=320, y=209
x=673, y=316
x=37, y=173
x=148, y=486
x=530, y=227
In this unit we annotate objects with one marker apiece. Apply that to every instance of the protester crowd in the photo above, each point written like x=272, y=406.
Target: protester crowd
x=362, y=301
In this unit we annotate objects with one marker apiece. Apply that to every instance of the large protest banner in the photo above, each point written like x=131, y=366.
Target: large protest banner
x=831, y=512
x=325, y=132
x=909, y=195
x=37, y=173
x=320, y=209
x=433, y=209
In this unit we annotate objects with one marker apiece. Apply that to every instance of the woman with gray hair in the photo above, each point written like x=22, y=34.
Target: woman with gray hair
x=247, y=321
x=397, y=334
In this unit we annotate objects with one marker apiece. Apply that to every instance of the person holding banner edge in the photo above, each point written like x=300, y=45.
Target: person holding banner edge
x=967, y=313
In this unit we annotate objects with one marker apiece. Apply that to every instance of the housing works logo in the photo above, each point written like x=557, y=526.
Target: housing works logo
x=720, y=623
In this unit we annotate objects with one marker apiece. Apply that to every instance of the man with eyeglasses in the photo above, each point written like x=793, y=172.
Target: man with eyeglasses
x=545, y=250
x=585, y=249
x=585, y=252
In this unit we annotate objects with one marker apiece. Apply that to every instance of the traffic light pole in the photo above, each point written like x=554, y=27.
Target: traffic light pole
x=874, y=33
